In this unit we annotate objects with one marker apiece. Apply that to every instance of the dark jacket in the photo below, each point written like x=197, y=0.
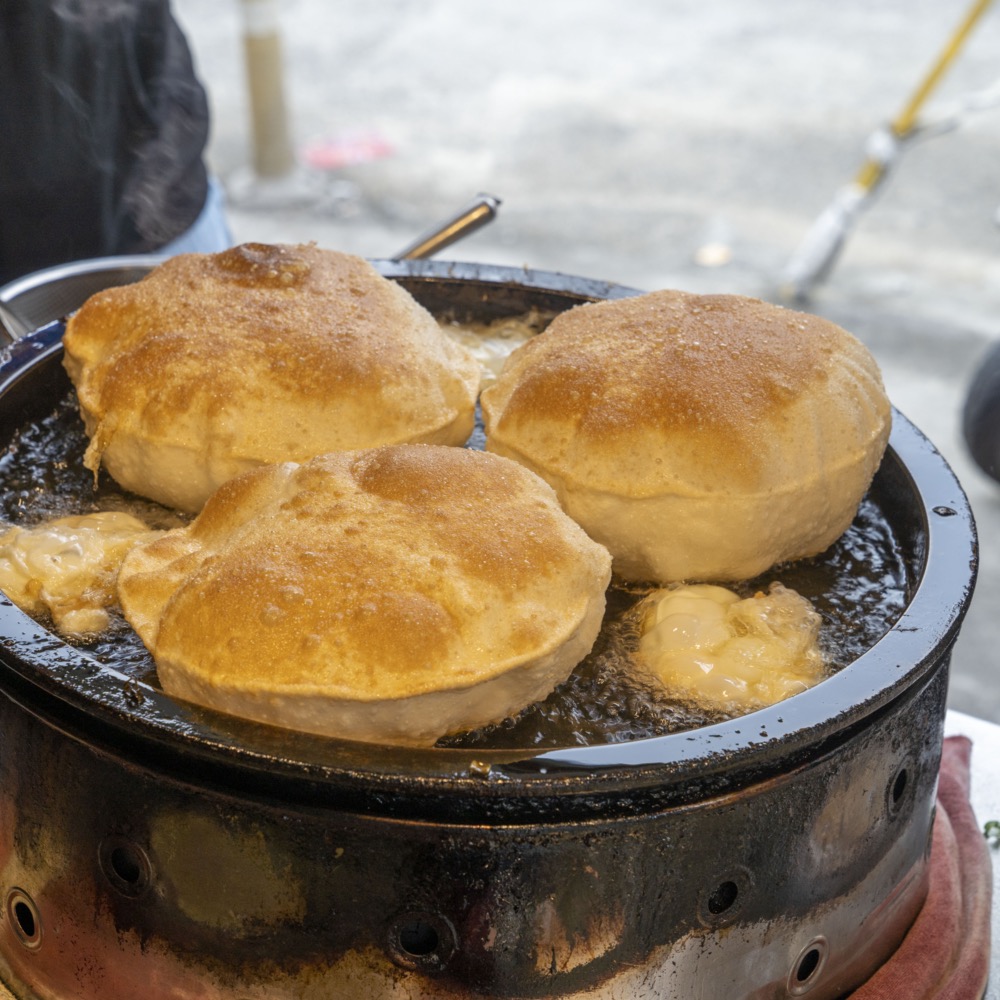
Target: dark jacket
x=102, y=129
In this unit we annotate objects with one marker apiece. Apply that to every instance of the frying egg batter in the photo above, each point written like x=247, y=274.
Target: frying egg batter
x=67, y=567
x=707, y=644
x=492, y=343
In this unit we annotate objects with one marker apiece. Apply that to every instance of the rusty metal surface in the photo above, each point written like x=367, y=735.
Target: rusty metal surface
x=145, y=882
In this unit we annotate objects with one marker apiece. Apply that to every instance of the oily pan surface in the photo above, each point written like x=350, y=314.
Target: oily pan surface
x=860, y=586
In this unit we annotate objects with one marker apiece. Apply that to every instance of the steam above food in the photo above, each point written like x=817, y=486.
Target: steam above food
x=392, y=595
x=697, y=437
x=216, y=363
x=706, y=644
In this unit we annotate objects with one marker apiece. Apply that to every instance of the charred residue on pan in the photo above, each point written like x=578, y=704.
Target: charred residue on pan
x=859, y=586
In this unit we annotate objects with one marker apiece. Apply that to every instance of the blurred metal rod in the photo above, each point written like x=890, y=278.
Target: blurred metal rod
x=273, y=155
x=481, y=210
x=816, y=254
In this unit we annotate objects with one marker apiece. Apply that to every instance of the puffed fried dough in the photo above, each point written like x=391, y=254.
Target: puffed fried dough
x=215, y=363
x=698, y=437
x=391, y=595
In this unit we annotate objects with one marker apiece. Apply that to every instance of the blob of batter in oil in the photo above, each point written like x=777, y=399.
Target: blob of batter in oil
x=708, y=645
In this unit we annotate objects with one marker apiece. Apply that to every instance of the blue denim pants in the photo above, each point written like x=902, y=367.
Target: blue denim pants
x=209, y=233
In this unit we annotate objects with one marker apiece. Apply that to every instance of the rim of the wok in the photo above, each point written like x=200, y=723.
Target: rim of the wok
x=92, y=702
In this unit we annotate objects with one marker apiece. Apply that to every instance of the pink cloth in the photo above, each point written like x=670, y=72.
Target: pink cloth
x=945, y=955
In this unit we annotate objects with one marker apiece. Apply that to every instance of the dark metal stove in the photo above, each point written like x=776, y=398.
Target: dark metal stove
x=151, y=848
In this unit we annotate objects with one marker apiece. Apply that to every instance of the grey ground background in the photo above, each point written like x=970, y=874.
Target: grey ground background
x=623, y=137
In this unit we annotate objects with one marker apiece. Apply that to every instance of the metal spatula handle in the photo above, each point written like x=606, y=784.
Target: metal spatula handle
x=481, y=210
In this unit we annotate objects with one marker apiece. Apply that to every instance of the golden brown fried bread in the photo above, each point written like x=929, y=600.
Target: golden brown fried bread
x=391, y=595
x=698, y=437
x=215, y=363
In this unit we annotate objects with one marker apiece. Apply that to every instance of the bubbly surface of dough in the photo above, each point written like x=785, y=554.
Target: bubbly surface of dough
x=215, y=363
x=391, y=595
x=698, y=437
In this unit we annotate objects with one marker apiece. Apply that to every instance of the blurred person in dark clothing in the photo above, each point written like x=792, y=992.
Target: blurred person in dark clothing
x=103, y=126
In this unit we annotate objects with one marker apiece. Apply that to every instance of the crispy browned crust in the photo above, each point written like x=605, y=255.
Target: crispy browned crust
x=264, y=353
x=367, y=575
x=680, y=392
x=698, y=437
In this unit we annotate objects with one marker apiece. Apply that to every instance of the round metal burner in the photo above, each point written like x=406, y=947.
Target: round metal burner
x=152, y=848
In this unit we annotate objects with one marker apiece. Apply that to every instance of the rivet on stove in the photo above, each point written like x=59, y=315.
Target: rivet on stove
x=721, y=901
x=806, y=969
x=480, y=768
x=424, y=941
x=896, y=792
x=125, y=866
x=24, y=918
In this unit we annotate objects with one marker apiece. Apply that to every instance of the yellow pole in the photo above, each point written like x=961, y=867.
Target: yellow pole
x=817, y=252
x=273, y=156
x=872, y=170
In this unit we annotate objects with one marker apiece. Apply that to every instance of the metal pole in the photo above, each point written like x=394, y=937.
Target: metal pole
x=872, y=170
x=816, y=254
x=273, y=155
x=481, y=210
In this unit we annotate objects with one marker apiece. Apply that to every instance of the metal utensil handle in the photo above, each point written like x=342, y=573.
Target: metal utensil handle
x=11, y=326
x=481, y=210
